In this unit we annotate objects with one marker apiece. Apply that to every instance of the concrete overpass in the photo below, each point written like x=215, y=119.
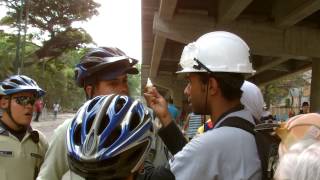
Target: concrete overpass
x=284, y=37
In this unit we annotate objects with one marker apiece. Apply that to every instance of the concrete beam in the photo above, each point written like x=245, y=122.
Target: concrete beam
x=183, y=28
x=315, y=86
x=280, y=68
x=174, y=85
x=263, y=38
x=167, y=8
x=290, y=12
x=273, y=63
x=158, y=47
x=268, y=78
x=230, y=10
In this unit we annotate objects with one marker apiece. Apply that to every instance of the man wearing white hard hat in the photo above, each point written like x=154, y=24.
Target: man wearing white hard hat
x=215, y=66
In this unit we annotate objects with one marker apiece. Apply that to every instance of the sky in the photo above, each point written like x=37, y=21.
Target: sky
x=118, y=25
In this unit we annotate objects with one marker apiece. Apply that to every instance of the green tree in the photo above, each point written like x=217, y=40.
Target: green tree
x=52, y=63
x=53, y=17
x=275, y=91
x=134, y=82
x=57, y=78
x=8, y=50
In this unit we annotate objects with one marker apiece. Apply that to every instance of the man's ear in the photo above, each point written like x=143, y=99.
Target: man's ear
x=4, y=103
x=213, y=86
x=88, y=90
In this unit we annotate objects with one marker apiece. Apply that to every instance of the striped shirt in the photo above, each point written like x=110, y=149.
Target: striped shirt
x=195, y=122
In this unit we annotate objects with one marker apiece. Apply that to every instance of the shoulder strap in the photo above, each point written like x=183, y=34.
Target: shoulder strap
x=238, y=122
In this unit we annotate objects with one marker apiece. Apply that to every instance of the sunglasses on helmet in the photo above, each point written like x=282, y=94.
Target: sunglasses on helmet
x=25, y=100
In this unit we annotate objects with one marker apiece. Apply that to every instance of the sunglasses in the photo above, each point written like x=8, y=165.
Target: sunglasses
x=25, y=100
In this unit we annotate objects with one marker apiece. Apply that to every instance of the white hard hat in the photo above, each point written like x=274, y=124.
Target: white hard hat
x=217, y=51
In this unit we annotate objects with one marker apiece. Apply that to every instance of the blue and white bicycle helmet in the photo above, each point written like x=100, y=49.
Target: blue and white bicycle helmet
x=103, y=63
x=20, y=83
x=109, y=137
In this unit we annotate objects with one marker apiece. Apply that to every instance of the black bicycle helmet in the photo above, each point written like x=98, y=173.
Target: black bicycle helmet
x=103, y=63
x=109, y=137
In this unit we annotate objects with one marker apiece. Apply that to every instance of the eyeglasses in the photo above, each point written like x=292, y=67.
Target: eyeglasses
x=25, y=100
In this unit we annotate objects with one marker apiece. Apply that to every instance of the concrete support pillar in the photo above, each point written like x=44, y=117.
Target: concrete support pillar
x=315, y=86
x=175, y=86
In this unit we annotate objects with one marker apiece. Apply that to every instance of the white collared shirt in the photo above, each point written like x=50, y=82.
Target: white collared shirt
x=224, y=153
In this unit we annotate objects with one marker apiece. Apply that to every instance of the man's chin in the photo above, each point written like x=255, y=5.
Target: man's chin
x=27, y=121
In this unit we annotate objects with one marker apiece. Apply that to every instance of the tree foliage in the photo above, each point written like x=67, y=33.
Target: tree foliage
x=61, y=47
x=56, y=77
x=8, y=52
x=275, y=91
x=53, y=18
x=63, y=41
x=134, y=82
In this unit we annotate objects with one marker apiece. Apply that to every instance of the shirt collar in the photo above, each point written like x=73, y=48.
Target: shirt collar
x=231, y=110
x=5, y=130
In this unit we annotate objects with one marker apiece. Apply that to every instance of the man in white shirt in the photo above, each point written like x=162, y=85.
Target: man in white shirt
x=215, y=66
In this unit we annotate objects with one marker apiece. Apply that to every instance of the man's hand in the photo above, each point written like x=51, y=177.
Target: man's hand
x=159, y=105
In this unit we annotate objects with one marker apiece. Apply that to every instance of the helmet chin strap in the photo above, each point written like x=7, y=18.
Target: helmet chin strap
x=206, y=102
x=11, y=117
x=206, y=112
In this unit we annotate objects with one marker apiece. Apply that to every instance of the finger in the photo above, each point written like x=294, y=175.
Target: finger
x=155, y=92
x=147, y=96
x=150, y=99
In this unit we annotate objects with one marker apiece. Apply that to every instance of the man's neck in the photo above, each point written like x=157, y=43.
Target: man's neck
x=222, y=106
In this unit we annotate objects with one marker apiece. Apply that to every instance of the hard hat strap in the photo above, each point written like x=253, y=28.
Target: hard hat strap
x=200, y=65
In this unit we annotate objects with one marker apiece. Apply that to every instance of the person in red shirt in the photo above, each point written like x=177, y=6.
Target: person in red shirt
x=38, y=109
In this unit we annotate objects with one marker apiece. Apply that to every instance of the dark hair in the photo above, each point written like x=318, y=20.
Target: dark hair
x=305, y=104
x=229, y=83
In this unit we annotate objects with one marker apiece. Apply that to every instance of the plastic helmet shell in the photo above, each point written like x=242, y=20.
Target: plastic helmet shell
x=20, y=83
x=109, y=136
x=219, y=51
x=108, y=62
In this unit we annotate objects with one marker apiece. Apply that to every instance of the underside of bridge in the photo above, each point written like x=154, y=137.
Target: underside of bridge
x=283, y=35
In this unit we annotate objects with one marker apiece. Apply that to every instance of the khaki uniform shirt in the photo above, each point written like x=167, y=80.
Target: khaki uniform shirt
x=21, y=159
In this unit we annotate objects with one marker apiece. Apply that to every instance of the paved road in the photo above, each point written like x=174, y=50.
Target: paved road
x=47, y=123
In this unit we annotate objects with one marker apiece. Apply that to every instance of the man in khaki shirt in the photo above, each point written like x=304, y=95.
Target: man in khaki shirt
x=101, y=71
x=22, y=149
